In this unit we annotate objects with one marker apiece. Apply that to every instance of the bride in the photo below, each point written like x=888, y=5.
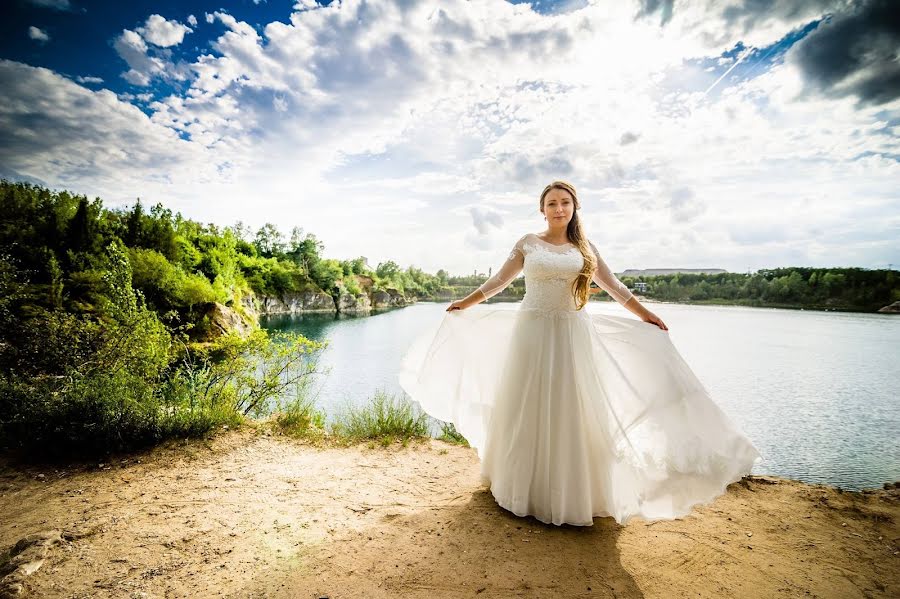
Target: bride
x=573, y=414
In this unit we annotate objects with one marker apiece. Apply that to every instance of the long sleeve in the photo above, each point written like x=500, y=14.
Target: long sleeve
x=506, y=273
x=608, y=281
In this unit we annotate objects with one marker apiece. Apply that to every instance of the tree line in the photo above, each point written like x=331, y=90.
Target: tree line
x=851, y=289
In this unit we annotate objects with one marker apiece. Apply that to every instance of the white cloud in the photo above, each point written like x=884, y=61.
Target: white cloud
x=149, y=62
x=436, y=124
x=38, y=35
x=485, y=219
x=99, y=142
x=88, y=79
x=164, y=33
x=127, y=97
x=192, y=20
x=131, y=48
x=56, y=4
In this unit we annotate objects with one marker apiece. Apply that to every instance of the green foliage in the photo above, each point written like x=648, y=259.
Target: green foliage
x=93, y=308
x=387, y=270
x=251, y=375
x=300, y=418
x=385, y=419
x=269, y=241
x=358, y=267
x=351, y=285
x=167, y=285
x=451, y=435
x=79, y=380
x=326, y=274
x=832, y=288
x=412, y=281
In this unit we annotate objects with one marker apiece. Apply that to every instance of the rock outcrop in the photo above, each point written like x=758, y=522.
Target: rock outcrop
x=891, y=308
x=293, y=303
x=390, y=298
x=348, y=303
x=218, y=319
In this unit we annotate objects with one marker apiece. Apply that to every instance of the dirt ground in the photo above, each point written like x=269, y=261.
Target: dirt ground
x=248, y=515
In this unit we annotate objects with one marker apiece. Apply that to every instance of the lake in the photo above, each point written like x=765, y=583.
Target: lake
x=817, y=392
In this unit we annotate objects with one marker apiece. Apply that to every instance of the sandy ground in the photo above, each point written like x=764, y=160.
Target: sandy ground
x=247, y=515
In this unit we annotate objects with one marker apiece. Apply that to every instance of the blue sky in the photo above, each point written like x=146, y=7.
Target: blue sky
x=729, y=134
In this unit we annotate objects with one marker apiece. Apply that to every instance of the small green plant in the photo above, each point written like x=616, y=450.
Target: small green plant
x=451, y=435
x=384, y=419
x=299, y=418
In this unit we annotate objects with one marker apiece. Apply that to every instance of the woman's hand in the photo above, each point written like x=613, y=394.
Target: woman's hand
x=654, y=319
x=456, y=305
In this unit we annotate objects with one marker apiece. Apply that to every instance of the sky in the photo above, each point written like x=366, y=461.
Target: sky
x=735, y=134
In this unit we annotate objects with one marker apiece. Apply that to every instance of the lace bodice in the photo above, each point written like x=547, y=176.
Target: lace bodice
x=550, y=271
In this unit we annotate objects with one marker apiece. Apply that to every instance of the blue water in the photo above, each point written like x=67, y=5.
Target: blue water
x=817, y=392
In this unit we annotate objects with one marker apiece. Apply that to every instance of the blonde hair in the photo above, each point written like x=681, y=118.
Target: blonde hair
x=576, y=235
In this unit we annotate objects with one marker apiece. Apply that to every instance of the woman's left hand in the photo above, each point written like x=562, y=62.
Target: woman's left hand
x=654, y=319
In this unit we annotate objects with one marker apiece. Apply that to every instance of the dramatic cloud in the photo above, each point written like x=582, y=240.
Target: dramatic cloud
x=704, y=26
x=685, y=127
x=38, y=34
x=855, y=52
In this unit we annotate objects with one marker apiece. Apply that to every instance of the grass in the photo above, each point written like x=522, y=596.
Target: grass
x=451, y=435
x=385, y=419
x=300, y=419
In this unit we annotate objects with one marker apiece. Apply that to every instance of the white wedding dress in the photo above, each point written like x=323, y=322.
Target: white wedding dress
x=574, y=415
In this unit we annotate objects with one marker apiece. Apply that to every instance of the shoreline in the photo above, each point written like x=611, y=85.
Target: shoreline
x=248, y=514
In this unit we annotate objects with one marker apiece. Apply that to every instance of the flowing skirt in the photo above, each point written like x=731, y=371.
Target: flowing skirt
x=575, y=415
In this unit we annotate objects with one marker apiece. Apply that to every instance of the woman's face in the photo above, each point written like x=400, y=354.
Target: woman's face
x=558, y=207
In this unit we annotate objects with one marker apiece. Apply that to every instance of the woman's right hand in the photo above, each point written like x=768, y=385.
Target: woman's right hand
x=456, y=305
x=654, y=319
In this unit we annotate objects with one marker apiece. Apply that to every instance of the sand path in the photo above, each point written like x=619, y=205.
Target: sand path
x=247, y=515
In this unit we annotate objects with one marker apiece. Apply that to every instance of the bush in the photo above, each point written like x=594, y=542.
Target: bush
x=89, y=383
x=84, y=380
x=252, y=375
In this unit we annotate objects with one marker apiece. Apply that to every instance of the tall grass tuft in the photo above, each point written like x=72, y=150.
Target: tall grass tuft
x=385, y=419
x=300, y=418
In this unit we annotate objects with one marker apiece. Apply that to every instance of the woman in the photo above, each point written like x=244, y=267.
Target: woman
x=574, y=415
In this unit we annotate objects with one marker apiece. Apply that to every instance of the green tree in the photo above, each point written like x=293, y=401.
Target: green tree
x=269, y=241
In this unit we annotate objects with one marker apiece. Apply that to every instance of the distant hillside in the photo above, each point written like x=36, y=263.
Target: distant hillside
x=653, y=272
